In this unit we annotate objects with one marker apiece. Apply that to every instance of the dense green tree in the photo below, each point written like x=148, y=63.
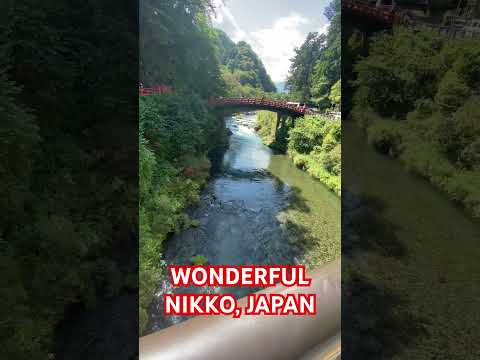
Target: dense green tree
x=179, y=48
x=299, y=80
x=227, y=49
x=174, y=133
x=327, y=71
x=176, y=47
x=68, y=207
x=417, y=97
x=315, y=145
x=316, y=66
x=398, y=72
x=241, y=66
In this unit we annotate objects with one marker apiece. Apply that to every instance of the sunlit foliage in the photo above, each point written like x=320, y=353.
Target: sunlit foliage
x=417, y=97
x=315, y=146
x=316, y=66
x=242, y=70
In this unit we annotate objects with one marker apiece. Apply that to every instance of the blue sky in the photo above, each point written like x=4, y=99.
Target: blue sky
x=272, y=27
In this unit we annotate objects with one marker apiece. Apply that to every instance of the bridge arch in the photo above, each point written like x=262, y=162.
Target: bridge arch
x=282, y=108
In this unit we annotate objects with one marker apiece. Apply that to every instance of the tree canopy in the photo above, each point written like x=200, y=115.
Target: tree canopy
x=243, y=71
x=176, y=46
x=69, y=222
x=315, y=71
x=417, y=96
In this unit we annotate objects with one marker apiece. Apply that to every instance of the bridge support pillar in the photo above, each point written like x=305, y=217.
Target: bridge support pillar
x=281, y=119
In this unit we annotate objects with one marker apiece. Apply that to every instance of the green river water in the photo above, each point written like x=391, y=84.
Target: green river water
x=428, y=283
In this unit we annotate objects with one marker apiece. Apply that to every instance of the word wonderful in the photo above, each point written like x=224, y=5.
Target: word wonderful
x=257, y=276
x=226, y=304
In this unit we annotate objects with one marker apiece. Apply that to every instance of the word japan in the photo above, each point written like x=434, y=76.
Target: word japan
x=227, y=304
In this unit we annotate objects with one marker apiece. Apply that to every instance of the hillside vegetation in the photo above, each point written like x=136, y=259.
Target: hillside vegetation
x=417, y=97
x=314, y=144
x=242, y=70
x=68, y=196
x=174, y=133
x=315, y=72
x=174, y=128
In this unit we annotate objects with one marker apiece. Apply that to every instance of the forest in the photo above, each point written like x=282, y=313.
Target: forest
x=314, y=143
x=175, y=129
x=68, y=227
x=315, y=72
x=175, y=151
x=242, y=70
x=71, y=219
x=416, y=96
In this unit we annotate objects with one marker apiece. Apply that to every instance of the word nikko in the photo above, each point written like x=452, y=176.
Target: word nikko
x=227, y=304
x=257, y=276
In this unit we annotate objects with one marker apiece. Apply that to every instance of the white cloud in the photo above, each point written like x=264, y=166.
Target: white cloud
x=275, y=45
x=222, y=15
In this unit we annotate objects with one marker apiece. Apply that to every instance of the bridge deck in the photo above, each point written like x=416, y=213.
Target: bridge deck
x=275, y=105
x=262, y=103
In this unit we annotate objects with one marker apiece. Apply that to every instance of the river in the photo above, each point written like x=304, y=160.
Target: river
x=257, y=209
x=414, y=260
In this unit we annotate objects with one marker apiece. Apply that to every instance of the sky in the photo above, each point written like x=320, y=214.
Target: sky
x=274, y=28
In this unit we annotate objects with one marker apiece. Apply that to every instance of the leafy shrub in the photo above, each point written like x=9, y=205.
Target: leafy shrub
x=431, y=86
x=174, y=133
x=266, y=122
x=315, y=146
x=451, y=93
x=331, y=161
x=384, y=137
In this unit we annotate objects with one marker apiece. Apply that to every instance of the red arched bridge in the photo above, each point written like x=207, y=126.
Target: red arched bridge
x=289, y=108
x=279, y=106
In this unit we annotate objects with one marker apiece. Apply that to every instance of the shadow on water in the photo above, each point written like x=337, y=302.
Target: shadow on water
x=411, y=277
x=368, y=230
x=377, y=323
x=376, y=320
x=297, y=201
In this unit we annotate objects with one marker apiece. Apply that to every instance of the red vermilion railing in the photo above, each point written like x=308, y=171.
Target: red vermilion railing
x=155, y=90
x=222, y=102
x=259, y=102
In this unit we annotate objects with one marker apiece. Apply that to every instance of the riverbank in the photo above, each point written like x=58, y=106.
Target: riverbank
x=405, y=264
x=313, y=144
x=174, y=167
x=423, y=108
x=412, y=145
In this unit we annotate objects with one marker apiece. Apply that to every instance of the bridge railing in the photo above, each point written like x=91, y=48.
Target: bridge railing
x=275, y=104
x=262, y=102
